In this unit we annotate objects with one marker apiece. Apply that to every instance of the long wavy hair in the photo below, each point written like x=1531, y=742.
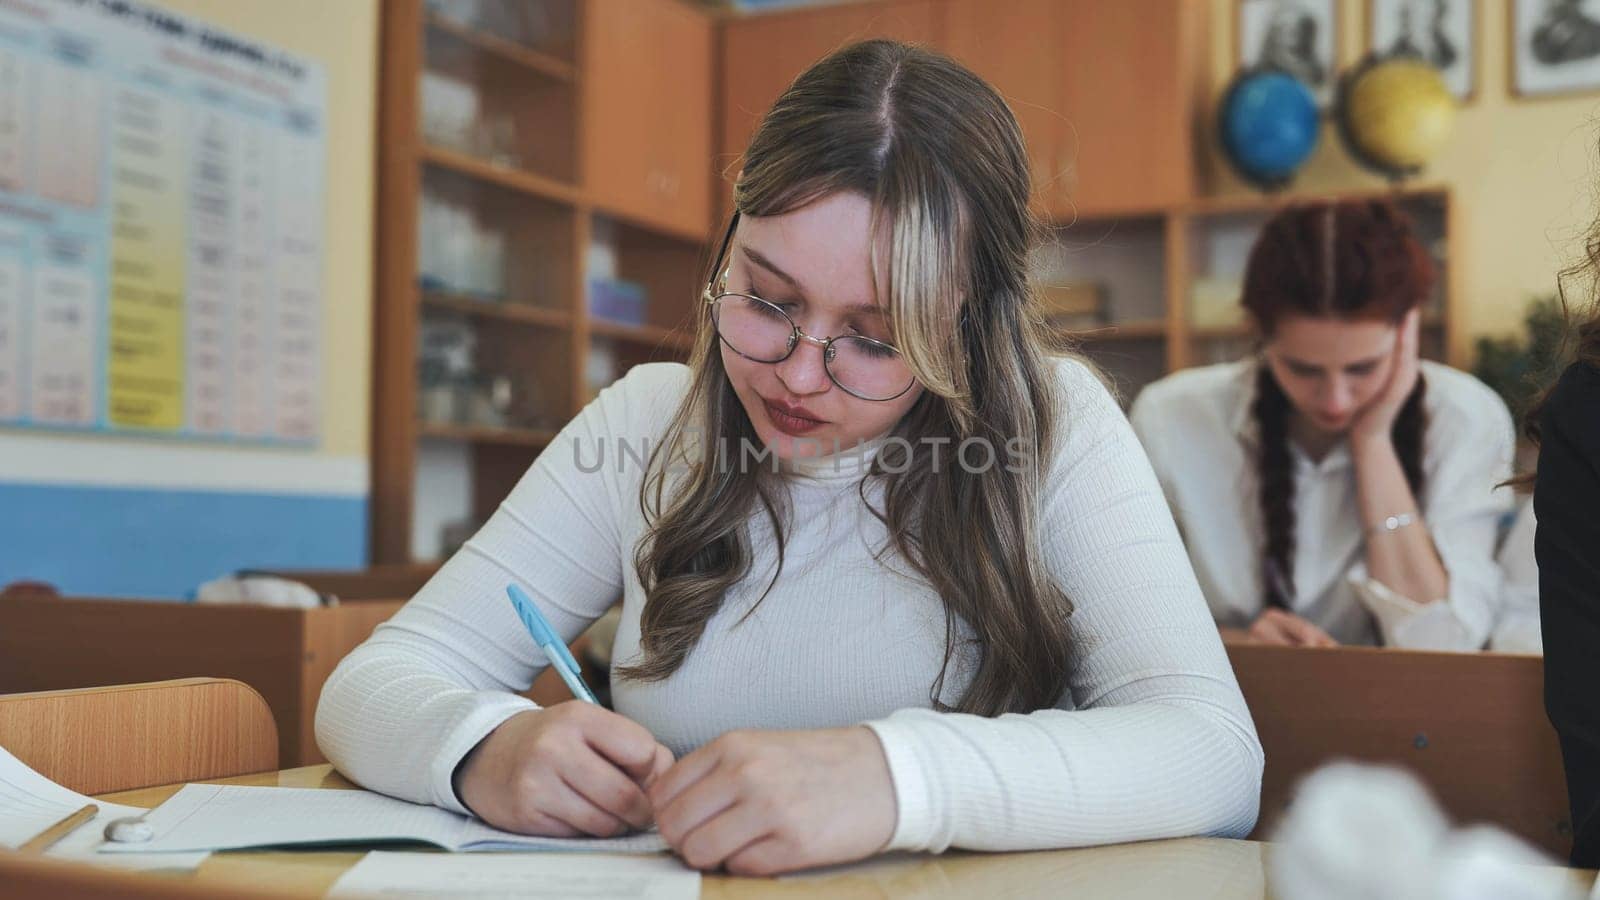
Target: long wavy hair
x=940, y=158
x=1354, y=259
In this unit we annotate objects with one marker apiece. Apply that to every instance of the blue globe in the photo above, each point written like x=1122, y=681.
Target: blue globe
x=1268, y=124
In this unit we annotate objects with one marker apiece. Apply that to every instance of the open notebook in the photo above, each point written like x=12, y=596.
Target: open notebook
x=231, y=817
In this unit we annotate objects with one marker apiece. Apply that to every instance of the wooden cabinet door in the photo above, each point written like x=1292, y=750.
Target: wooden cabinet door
x=762, y=54
x=616, y=113
x=1016, y=47
x=1129, y=94
x=647, y=112
x=681, y=92
x=1105, y=92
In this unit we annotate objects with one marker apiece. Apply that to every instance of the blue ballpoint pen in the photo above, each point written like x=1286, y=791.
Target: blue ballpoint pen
x=554, y=648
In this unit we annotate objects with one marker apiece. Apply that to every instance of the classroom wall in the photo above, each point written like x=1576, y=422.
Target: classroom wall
x=130, y=517
x=1522, y=172
x=114, y=515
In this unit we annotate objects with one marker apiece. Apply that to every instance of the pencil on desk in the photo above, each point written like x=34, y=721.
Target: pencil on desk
x=47, y=838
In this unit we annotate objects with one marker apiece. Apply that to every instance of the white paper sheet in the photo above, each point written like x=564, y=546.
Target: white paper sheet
x=230, y=817
x=530, y=876
x=30, y=803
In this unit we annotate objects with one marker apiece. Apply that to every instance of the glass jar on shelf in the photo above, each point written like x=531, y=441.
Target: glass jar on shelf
x=450, y=112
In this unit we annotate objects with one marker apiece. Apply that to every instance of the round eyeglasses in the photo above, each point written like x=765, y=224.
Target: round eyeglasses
x=762, y=332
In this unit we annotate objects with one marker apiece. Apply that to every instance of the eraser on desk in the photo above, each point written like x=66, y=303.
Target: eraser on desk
x=129, y=831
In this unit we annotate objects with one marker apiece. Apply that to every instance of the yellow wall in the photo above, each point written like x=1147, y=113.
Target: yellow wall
x=1521, y=172
x=342, y=35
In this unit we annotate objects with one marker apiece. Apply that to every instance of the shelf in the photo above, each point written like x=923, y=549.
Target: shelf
x=1262, y=203
x=688, y=237
x=1240, y=203
x=517, y=180
x=650, y=335
x=1221, y=332
x=1090, y=215
x=1133, y=330
x=505, y=311
x=496, y=47
x=485, y=434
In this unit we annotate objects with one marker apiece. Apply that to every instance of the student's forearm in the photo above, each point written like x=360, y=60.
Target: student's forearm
x=1404, y=560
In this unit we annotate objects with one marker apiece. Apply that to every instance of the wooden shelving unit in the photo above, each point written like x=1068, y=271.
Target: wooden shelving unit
x=1113, y=160
x=594, y=144
x=1152, y=260
x=500, y=176
x=524, y=313
x=474, y=41
x=646, y=335
x=527, y=172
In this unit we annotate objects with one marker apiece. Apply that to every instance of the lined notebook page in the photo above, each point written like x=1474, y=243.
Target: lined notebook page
x=226, y=817
x=30, y=803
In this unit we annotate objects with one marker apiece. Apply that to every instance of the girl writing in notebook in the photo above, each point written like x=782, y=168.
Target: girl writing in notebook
x=891, y=576
x=1335, y=488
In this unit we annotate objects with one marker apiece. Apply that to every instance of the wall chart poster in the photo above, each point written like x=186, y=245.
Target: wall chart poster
x=161, y=215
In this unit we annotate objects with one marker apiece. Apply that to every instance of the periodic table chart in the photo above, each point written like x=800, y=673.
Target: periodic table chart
x=161, y=215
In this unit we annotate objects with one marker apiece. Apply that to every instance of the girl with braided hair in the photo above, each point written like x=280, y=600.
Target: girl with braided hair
x=1335, y=488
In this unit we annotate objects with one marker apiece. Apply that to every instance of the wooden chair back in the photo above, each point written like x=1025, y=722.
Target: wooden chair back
x=104, y=739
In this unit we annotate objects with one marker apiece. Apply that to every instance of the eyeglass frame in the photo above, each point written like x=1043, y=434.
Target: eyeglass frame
x=712, y=293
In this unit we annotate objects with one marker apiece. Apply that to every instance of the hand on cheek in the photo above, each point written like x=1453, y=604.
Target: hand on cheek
x=1378, y=418
x=763, y=802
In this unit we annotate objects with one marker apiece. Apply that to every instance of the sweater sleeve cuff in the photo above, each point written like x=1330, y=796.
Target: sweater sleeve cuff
x=485, y=714
x=917, y=809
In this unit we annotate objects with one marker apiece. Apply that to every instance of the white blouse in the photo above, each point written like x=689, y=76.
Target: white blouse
x=1151, y=737
x=1198, y=429
x=1517, y=629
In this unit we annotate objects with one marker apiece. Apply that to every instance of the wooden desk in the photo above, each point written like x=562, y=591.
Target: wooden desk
x=1190, y=867
x=1205, y=867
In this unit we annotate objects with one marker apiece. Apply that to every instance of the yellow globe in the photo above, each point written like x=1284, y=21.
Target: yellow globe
x=1398, y=113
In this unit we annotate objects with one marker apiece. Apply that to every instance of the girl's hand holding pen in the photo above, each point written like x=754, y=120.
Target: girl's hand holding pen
x=569, y=770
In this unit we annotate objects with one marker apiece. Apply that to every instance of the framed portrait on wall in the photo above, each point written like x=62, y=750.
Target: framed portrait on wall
x=1443, y=32
x=1555, y=46
x=1300, y=37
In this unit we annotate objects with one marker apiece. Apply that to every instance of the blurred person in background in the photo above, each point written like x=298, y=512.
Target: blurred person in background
x=1335, y=488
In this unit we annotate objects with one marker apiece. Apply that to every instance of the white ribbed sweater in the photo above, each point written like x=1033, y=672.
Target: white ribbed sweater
x=1152, y=738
